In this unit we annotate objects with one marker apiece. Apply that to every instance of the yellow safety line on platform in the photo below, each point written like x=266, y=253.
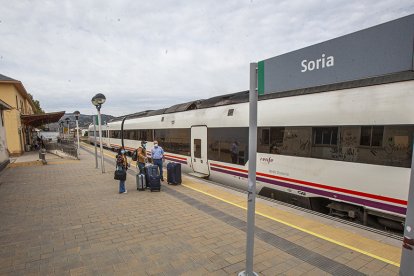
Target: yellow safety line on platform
x=391, y=250
x=62, y=162
x=375, y=256
x=25, y=164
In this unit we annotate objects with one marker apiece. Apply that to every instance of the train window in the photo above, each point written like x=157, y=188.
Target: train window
x=371, y=136
x=277, y=135
x=265, y=136
x=116, y=134
x=197, y=148
x=388, y=145
x=325, y=135
x=176, y=140
x=378, y=145
x=129, y=134
x=293, y=141
x=145, y=135
x=134, y=134
x=228, y=144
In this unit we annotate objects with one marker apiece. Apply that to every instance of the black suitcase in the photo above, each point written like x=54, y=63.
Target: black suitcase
x=174, y=173
x=153, y=178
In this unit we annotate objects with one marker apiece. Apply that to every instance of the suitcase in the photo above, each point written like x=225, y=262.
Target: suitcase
x=153, y=177
x=174, y=173
x=141, y=182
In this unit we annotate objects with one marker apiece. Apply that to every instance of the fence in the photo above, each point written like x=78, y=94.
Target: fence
x=68, y=146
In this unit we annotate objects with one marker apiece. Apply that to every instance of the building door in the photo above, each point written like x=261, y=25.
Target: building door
x=199, y=150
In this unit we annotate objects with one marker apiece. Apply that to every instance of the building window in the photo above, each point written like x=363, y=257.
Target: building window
x=325, y=136
x=371, y=136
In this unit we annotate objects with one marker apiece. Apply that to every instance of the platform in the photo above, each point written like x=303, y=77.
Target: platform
x=31, y=158
x=67, y=218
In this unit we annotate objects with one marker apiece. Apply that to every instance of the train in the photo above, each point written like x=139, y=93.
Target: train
x=341, y=149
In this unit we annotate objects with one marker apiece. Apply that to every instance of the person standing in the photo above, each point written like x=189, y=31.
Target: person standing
x=122, y=165
x=142, y=157
x=157, y=155
x=234, y=151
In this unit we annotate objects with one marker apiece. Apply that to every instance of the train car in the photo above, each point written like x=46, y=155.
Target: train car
x=341, y=149
x=105, y=139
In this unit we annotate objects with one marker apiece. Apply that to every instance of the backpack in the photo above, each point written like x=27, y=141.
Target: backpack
x=135, y=155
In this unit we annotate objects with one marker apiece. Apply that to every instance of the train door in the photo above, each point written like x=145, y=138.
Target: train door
x=199, y=150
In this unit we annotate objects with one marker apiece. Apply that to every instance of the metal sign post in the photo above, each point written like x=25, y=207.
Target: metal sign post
x=407, y=255
x=251, y=189
x=94, y=135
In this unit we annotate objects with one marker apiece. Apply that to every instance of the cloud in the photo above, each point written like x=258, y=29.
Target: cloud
x=153, y=54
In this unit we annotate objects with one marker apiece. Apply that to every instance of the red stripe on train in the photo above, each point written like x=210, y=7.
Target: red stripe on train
x=342, y=190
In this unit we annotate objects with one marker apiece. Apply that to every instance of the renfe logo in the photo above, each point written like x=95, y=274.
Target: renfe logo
x=317, y=64
x=267, y=160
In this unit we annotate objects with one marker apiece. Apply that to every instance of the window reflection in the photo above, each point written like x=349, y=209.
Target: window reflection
x=228, y=144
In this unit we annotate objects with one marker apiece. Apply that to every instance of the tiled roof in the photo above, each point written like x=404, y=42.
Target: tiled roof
x=6, y=78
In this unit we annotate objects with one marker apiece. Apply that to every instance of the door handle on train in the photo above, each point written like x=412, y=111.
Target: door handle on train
x=201, y=160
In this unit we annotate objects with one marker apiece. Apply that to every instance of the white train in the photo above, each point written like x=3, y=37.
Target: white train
x=346, y=151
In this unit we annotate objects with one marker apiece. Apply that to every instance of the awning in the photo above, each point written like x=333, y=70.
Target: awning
x=36, y=120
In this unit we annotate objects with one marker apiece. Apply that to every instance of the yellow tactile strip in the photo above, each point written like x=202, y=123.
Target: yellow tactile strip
x=380, y=251
x=384, y=252
x=25, y=164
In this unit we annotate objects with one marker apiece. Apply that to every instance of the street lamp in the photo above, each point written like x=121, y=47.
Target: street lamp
x=60, y=126
x=67, y=122
x=77, y=114
x=98, y=100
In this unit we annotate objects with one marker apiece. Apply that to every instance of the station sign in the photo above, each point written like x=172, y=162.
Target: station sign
x=380, y=50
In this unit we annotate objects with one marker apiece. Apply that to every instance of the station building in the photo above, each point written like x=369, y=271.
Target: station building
x=4, y=153
x=13, y=94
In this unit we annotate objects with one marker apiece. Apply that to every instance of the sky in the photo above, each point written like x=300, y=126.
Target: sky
x=153, y=54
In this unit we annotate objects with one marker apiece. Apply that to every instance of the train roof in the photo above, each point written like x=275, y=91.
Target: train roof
x=243, y=96
x=183, y=107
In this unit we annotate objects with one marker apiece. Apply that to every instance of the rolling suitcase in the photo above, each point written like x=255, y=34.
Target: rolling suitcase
x=153, y=178
x=174, y=173
x=141, y=182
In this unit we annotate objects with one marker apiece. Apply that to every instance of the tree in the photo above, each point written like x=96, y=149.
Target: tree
x=38, y=109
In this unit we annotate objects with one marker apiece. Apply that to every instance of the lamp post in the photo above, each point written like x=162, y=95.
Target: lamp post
x=67, y=122
x=77, y=114
x=60, y=127
x=63, y=129
x=98, y=100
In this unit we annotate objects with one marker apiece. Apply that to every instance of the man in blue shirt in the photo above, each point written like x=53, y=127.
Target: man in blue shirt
x=157, y=154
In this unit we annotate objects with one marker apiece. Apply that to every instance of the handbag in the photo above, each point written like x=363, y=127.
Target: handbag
x=120, y=175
